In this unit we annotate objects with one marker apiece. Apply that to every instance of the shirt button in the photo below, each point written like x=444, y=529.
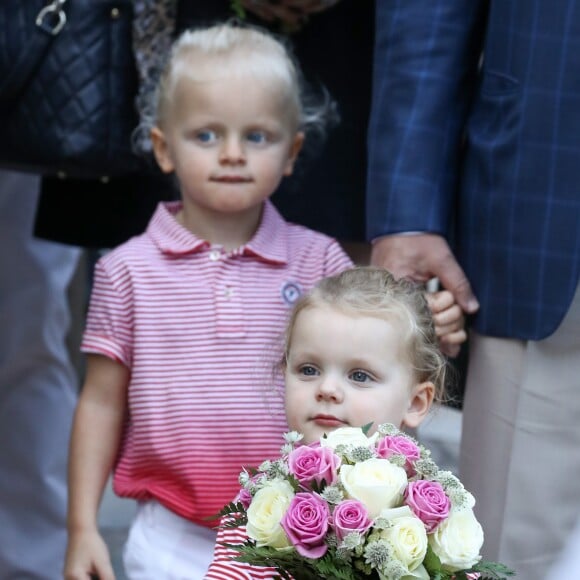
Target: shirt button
x=214, y=255
x=228, y=293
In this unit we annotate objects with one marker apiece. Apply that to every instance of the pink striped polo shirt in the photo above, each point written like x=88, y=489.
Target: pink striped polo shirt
x=200, y=329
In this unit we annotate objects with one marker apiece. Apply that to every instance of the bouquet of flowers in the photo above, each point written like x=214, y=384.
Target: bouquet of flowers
x=355, y=507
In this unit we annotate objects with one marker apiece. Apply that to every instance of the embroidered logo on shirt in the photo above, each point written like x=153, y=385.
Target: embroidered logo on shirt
x=291, y=291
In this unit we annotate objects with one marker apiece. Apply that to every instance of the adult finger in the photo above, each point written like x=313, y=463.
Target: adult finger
x=404, y=256
x=453, y=278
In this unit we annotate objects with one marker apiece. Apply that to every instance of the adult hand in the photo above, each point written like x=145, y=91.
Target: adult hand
x=290, y=12
x=422, y=257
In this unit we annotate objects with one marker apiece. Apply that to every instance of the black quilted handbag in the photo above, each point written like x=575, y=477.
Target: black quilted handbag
x=67, y=87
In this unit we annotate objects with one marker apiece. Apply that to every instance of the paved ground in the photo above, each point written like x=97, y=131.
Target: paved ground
x=440, y=433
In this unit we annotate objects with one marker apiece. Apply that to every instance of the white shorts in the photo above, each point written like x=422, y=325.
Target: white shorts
x=164, y=546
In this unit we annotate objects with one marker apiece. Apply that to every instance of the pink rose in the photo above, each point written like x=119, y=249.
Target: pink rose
x=428, y=501
x=350, y=516
x=306, y=523
x=397, y=444
x=310, y=464
x=245, y=498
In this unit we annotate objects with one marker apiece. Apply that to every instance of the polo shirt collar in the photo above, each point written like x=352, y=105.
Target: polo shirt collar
x=169, y=235
x=270, y=242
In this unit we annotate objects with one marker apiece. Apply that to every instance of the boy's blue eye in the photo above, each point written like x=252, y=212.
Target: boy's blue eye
x=256, y=137
x=360, y=376
x=206, y=136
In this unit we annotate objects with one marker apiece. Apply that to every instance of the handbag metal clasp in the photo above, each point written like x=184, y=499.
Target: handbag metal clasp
x=52, y=17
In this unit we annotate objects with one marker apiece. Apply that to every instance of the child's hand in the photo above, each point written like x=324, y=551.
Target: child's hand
x=449, y=321
x=87, y=557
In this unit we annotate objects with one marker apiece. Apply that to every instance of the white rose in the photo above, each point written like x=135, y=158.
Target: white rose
x=266, y=511
x=407, y=536
x=348, y=436
x=458, y=540
x=377, y=483
x=419, y=573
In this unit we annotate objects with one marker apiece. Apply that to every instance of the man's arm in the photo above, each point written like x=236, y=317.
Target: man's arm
x=427, y=56
x=422, y=257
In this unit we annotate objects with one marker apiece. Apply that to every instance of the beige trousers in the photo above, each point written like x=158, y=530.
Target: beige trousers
x=520, y=449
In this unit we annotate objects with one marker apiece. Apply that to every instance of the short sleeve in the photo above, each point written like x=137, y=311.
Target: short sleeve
x=108, y=329
x=336, y=260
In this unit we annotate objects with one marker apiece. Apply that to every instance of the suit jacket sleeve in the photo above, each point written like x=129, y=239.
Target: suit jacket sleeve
x=427, y=55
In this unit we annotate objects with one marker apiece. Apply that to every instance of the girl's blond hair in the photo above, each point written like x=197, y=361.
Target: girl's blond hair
x=375, y=292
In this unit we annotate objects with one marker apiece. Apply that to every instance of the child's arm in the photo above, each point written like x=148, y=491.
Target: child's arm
x=95, y=439
x=449, y=321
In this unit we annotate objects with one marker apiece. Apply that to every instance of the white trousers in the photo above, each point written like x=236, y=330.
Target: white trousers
x=164, y=546
x=38, y=387
x=568, y=564
x=520, y=444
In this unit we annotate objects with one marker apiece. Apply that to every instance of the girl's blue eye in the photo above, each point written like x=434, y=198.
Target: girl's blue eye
x=258, y=137
x=360, y=376
x=205, y=136
x=308, y=371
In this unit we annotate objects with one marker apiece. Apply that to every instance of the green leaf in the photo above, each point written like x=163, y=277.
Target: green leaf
x=237, y=8
x=329, y=567
x=293, y=482
x=366, y=428
x=288, y=563
x=432, y=562
x=318, y=487
x=233, y=508
x=492, y=570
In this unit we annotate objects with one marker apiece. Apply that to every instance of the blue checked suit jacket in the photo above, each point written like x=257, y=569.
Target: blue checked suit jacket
x=484, y=150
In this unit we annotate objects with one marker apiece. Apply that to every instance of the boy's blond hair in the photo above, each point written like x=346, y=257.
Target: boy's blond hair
x=227, y=50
